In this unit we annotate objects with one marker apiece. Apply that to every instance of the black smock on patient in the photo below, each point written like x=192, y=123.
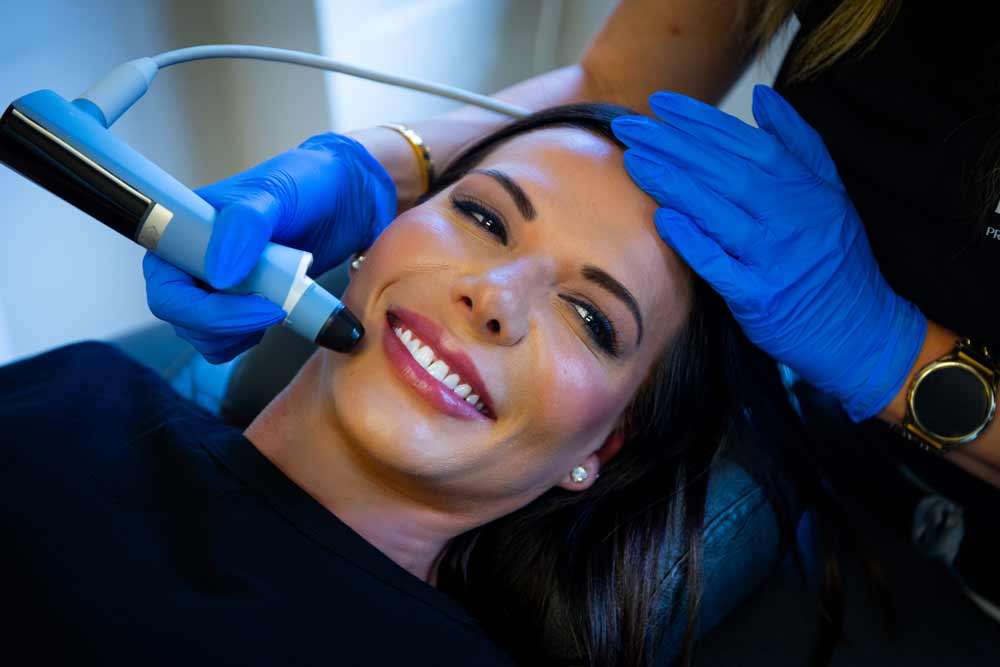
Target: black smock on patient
x=137, y=529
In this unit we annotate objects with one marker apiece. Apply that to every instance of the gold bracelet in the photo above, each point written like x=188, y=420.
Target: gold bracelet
x=420, y=150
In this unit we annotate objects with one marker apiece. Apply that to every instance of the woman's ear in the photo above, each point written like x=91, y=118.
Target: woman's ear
x=585, y=474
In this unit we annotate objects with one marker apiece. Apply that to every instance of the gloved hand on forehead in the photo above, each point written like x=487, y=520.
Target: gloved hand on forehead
x=761, y=215
x=329, y=196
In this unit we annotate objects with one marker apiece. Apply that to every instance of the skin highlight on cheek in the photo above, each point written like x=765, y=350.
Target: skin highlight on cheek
x=578, y=398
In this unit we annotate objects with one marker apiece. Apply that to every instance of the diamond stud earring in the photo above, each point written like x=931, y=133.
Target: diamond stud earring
x=578, y=474
x=357, y=262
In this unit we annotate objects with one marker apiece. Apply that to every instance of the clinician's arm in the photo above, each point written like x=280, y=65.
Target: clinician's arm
x=689, y=46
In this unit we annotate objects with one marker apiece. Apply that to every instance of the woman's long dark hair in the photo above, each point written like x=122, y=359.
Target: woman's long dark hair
x=578, y=577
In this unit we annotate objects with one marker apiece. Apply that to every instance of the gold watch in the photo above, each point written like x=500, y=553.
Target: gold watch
x=952, y=399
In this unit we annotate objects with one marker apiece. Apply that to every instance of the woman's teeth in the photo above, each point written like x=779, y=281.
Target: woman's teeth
x=438, y=369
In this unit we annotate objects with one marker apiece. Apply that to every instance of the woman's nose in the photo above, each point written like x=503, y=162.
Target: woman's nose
x=497, y=302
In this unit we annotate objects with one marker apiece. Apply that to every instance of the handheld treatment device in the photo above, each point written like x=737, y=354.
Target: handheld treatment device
x=67, y=148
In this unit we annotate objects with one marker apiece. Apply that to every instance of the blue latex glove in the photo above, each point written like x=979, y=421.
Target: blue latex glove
x=762, y=215
x=328, y=196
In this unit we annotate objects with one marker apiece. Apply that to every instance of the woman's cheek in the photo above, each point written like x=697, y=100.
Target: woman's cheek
x=578, y=394
x=420, y=230
x=415, y=239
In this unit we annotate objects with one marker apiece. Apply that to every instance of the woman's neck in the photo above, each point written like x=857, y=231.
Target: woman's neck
x=300, y=438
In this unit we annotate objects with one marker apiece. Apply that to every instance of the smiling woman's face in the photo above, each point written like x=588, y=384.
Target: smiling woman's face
x=539, y=280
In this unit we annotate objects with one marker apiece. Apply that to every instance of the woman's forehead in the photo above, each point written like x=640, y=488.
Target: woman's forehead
x=557, y=148
x=565, y=169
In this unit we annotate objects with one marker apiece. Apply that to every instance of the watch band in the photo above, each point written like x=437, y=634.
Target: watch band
x=972, y=357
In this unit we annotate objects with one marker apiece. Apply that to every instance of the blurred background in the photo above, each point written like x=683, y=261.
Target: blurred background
x=64, y=277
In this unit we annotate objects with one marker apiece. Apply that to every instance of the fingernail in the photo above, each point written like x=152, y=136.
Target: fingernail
x=634, y=159
x=666, y=98
x=647, y=174
x=627, y=125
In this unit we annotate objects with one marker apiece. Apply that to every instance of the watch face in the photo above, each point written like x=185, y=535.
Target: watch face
x=952, y=401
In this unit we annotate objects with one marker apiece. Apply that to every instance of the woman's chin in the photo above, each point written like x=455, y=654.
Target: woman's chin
x=390, y=422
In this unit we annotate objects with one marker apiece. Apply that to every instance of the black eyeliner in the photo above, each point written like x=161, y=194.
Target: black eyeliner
x=607, y=339
x=469, y=205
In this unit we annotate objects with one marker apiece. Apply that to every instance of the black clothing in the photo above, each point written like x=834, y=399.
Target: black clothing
x=912, y=126
x=138, y=529
x=907, y=125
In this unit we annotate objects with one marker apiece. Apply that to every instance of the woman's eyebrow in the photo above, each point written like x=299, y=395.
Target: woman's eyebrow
x=519, y=196
x=601, y=278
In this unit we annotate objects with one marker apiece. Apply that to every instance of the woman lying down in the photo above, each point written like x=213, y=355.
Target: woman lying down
x=491, y=479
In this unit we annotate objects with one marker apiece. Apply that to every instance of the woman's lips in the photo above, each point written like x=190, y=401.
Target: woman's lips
x=445, y=348
x=427, y=386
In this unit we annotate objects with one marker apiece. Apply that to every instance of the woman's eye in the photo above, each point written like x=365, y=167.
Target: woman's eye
x=482, y=216
x=598, y=326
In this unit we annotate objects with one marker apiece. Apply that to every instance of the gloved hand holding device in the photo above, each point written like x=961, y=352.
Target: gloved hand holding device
x=329, y=196
x=762, y=215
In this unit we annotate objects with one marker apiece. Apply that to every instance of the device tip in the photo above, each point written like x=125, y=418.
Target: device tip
x=341, y=332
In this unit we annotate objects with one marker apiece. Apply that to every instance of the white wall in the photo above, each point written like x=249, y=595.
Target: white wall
x=763, y=70
x=6, y=346
x=480, y=45
x=246, y=111
x=64, y=277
